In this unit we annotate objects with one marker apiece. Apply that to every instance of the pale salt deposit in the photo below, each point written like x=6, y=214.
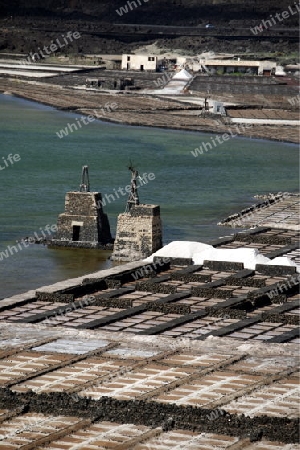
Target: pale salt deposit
x=200, y=252
x=282, y=261
x=180, y=249
x=175, y=86
x=182, y=75
x=249, y=256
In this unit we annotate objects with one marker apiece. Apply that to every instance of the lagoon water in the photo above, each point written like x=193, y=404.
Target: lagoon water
x=194, y=193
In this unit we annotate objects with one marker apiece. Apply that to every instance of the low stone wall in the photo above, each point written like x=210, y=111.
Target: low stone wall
x=155, y=414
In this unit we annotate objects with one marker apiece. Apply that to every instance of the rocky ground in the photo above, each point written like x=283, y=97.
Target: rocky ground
x=24, y=35
x=163, y=355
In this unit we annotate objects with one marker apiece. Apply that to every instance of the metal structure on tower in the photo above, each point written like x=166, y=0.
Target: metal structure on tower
x=85, y=181
x=133, y=198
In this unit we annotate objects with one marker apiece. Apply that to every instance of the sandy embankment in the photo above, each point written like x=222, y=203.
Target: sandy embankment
x=135, y=109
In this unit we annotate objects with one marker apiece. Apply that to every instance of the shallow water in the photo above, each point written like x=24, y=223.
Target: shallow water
x=194, y=193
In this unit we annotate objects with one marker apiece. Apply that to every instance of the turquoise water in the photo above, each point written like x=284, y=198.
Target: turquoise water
x=194, y=193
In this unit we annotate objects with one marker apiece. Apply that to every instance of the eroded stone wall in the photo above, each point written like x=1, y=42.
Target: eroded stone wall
x=84, y=211
x=139, y=233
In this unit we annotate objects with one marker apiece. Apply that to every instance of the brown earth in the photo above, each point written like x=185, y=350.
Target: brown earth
x=133, y=109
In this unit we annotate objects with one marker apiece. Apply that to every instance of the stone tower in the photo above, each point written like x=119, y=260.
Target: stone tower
x=139, y=230
x=83, y=224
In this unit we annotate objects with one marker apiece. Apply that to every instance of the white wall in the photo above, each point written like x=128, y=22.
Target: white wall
x=136, y=61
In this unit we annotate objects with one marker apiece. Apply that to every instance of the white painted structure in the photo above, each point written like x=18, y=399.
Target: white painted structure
x=231, y=65
x=139, y=62
x=206, y=63
x=294, y=123
x=218, y=107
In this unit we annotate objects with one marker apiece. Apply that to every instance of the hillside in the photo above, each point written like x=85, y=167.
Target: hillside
x=180, y=12
x=27, y=25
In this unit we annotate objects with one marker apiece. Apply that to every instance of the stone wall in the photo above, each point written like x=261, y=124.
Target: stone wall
x=139, y=233
x=83, y=219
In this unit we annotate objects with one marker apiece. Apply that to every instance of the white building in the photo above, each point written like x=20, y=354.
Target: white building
x=139, y=62
x=218, y=108
x=243, y=66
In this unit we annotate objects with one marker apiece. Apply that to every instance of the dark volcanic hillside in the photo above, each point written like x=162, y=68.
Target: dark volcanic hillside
x=180, y=12
x=26, y=25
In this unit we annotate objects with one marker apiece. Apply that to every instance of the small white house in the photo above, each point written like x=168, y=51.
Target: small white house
x=139, y=62
x=218, y=108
